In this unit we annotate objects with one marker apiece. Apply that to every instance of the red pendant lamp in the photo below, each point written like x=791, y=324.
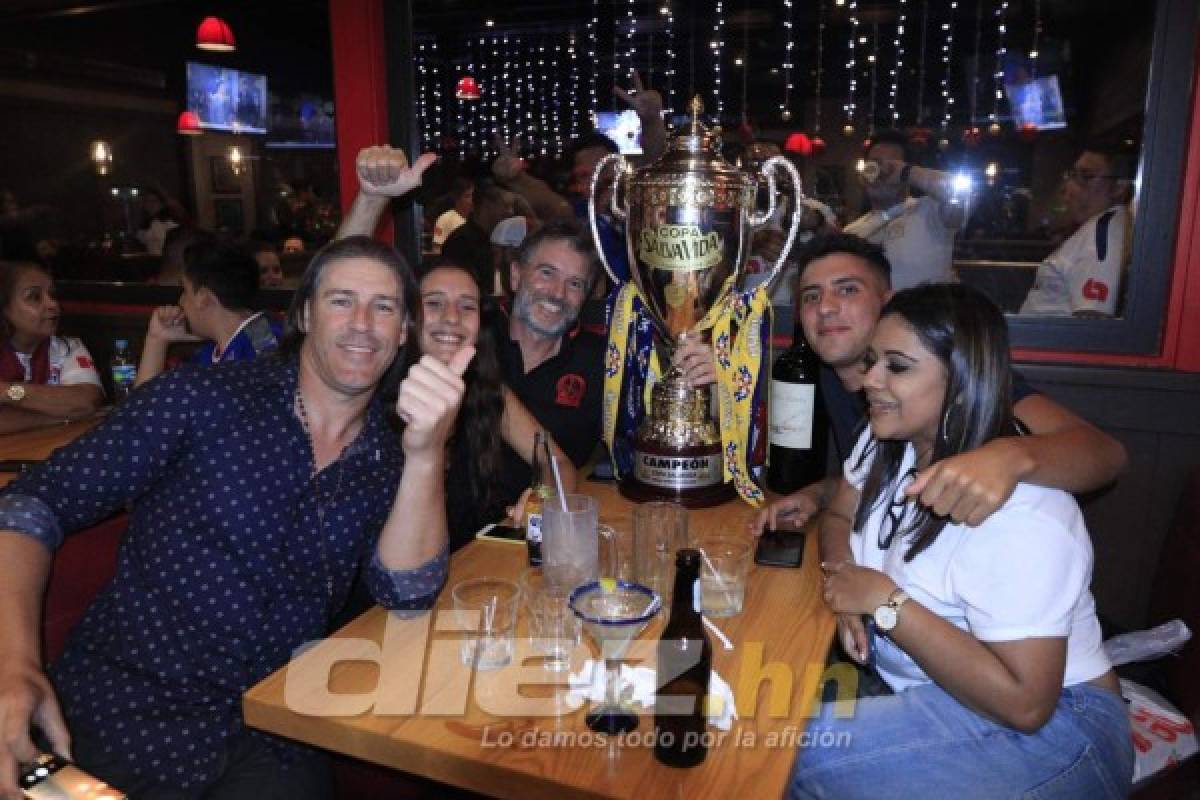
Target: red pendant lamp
x=467, y=88
x=799, y=144
x=214, y=34
x=189, y=124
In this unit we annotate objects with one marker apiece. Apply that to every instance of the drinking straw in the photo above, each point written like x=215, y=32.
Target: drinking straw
x=717, y=632
x=562, y=496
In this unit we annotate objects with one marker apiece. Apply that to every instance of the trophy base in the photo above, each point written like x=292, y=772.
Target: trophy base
x=703, y=497
x=689, y=475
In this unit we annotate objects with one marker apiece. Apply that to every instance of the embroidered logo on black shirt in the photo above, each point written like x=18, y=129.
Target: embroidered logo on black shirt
x=570, y=390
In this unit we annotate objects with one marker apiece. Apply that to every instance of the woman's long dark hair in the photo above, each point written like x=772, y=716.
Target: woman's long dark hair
x=477, y=444
x=968, y=335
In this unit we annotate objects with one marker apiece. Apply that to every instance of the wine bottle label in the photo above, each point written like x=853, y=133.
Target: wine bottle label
x=678, y=472
x=533, y=528
x=790, y=414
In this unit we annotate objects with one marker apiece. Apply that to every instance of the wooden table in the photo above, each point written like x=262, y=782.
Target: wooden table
x=39, y=443
x=392, y=691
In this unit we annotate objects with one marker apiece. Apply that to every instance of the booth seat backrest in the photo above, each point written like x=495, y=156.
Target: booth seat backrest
x=1176, y=595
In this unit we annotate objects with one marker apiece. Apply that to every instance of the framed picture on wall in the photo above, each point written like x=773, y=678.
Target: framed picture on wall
x=230, y=217
x=224, y=180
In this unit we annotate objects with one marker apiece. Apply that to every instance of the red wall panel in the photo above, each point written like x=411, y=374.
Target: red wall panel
x=360, y=89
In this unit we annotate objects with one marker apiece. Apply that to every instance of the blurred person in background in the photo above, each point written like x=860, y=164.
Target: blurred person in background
x=916, y=233
x=44, y=378
x=270, y=270
x=1083, y=276
x=218, y=307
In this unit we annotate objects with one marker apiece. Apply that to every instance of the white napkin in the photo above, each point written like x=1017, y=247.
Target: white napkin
x=588, y=685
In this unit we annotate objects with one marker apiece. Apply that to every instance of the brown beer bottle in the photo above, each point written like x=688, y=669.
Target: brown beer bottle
x=684, y=668
x=543, y=489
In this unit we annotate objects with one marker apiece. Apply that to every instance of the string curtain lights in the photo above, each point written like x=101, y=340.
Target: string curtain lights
x=1000, y=15
x=851, y=105
x=718, y=47
x=785, y=111
x=669, y=101
x=898, y=67
x=818, y=142
x=946, y=86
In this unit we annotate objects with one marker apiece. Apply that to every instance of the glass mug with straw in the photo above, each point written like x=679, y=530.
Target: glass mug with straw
x=571, y=536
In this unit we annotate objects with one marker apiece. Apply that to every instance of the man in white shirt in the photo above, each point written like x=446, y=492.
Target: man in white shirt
x=1083, y=276
x=916, y=233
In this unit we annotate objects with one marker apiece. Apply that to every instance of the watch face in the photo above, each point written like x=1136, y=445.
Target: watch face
x=885, y=618
x=16, y=392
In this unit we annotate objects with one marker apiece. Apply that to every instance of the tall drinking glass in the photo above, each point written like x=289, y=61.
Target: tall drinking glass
x=659, y=531
x=571, y=540
x=553, y=627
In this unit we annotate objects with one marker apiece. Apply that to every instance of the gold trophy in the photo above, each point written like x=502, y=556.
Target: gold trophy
x=689, y=218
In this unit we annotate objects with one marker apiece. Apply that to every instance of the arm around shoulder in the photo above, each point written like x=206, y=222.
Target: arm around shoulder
x=1065, y=451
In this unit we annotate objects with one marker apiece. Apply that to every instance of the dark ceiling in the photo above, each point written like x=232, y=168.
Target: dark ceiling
x=289, y=39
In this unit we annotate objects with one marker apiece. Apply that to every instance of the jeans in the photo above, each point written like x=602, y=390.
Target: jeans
x=924, y=743
x=251, y=772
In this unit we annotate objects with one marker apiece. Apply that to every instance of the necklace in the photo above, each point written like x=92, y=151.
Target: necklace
x=302, y=412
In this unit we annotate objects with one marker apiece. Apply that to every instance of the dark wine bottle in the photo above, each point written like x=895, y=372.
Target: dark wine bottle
x=797, y=425
x=684, y=668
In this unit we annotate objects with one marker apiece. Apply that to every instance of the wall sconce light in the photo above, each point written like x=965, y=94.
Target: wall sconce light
x=237, y=161
x=102, y=156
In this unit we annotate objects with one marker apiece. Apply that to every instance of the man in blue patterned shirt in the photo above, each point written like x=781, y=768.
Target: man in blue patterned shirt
x=258, y=489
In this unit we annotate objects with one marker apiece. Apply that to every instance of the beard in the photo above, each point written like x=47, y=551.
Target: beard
x=523, y=309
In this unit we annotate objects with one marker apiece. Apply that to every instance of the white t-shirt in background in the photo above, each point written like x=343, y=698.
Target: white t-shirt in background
x=70, y=363
x=915, y=240
x=1023, y=573
x=1084, y=273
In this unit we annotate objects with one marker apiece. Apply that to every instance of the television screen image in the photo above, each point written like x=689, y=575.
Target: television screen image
x=227, y=100
x=622, y=127
x=1037, y=102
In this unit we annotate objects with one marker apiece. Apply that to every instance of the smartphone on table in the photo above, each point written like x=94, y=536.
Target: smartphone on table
x=780, y=549
x=499, y=532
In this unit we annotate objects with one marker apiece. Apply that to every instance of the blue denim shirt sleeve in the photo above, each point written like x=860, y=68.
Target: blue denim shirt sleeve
x=106, y=468
x=407, y=589
x=29, y=515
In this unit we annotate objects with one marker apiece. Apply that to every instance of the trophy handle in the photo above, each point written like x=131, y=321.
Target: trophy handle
x=618, y=212
x=757, y=220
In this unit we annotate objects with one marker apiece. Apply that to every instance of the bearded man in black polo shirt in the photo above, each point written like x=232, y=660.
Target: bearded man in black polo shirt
x=553, y=366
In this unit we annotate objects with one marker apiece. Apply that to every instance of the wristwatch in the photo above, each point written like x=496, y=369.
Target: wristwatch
x=15, y=392
x=888, y=614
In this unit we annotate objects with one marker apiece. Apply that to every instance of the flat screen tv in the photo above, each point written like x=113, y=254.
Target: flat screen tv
x=1037, y=102
x=623, y=127
x=226, y=99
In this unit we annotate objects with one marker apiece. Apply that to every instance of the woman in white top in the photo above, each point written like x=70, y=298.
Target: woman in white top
x=986, y=635
x=44, y=378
